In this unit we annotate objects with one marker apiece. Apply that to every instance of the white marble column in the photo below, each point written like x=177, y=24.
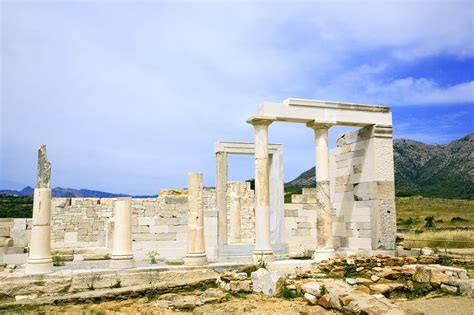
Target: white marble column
x=263, y=249
x=39, y=258
x=235, y=216
x=221, y=198
x=196, y=249
x=325, y=247
x=122, y=254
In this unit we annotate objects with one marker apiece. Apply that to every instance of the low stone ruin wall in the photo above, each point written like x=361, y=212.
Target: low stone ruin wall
x=86, y=225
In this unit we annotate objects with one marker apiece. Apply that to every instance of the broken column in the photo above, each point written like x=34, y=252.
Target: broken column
x=324, y=246
x=122, y=254
x=263, y=248
x=196, y=249
x=235, y=215
x=39, y=258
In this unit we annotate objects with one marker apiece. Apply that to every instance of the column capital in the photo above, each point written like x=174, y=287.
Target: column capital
x=317, y=124
x=261, y=120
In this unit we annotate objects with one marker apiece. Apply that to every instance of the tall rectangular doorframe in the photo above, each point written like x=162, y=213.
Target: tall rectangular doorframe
x=275, y=152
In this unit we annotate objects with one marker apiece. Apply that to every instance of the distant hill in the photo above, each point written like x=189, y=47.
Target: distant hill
x=442, y=171
x=70, y=193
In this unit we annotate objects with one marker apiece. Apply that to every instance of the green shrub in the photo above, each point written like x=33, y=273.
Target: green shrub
x=458, y=220
x=429, y=222
x=117, y=284
x=152, y=256
x=58, y=261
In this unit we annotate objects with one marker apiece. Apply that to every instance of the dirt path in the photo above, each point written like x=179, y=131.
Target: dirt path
x=453, y=305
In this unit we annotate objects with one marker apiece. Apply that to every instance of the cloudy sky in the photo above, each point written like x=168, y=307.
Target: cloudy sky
x=130, y=96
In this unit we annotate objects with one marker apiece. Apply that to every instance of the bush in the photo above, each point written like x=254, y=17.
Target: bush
x=429, y=222
x=152, y=256
x=58, y=261
x=458, y=220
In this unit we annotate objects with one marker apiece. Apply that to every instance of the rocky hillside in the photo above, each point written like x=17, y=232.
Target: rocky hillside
x=443, y=171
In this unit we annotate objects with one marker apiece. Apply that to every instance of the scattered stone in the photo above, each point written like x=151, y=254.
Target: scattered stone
x=359, y=269
x=240, y=286
x=374, y=278
x=272, y=283
x=380, y=288
x=427, y=251
x=351, y=281
x=313, y=288
x=310, y=298
x=449, y=289
x=325, y=301
x=422, y=274
x=212, y=295
x=257, y=279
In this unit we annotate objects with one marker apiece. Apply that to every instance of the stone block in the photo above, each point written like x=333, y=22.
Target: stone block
x=146, y=221
x=5, y=231
x=70, y=237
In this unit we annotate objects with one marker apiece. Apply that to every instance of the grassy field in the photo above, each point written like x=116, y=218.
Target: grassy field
x=439, y=239
x=415, y=212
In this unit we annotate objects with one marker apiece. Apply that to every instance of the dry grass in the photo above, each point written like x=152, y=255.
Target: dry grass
x=443, y=211
x=440, y=239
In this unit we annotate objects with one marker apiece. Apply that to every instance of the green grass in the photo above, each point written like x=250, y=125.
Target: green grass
x=16, y=207
x=412, y=212
x=440, y=239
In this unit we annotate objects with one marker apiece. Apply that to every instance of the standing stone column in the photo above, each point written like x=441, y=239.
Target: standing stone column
x=263, y=248
x=196, y=249
x=122, y=254
x=235, y=216
x=221, y=188
x=325, y=247
x=39, y=259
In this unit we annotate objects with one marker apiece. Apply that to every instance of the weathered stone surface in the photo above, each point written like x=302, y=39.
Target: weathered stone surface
x=272, y=283
x=325, y=301
x=212, y=295
x=449, y=288
x=427, y=251
x=43, y=178
x=313, y=288
x=240, y=286
x=257, y=279
x=380, y=288
x=310, y=298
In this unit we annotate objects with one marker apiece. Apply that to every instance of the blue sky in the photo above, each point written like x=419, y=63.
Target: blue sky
x=130, y=96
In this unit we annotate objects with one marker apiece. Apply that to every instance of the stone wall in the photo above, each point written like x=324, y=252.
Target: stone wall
x=300, y=223
x=362, y=189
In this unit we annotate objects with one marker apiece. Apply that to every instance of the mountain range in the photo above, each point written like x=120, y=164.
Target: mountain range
x=442, y=171
x=70, y=192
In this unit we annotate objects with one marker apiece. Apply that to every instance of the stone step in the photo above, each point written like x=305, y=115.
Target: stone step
x=12, y=250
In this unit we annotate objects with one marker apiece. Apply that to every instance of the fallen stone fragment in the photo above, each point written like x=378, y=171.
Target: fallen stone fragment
x=325, y=301
x=351, y=281
x=449, y=288
x=313, y=288
x=427, y=251
x=310, y=298
x=257, y=279
x=272, y=283
x=374, y=278
x=380, y=288
x=212, y=295
x=240, y=286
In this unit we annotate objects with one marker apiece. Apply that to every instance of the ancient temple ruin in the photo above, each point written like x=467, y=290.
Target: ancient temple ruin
x=350, y=211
